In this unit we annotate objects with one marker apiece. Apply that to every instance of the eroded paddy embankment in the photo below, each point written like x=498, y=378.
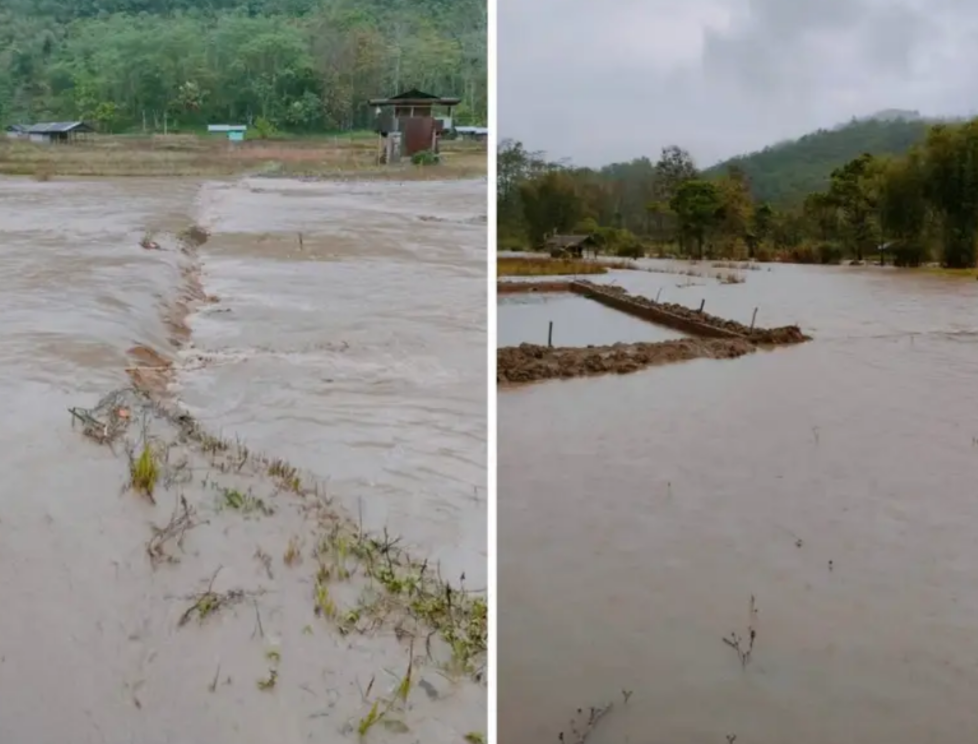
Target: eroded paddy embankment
x=263, y=525
x=710, y=337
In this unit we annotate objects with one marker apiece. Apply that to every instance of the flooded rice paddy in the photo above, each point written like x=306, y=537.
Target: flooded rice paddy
x=833, y=481
x=346, y=333
x=525, y=318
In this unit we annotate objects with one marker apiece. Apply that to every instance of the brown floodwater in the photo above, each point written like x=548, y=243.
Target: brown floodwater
x=577, y=321
x=356, y=352
x=833, y=481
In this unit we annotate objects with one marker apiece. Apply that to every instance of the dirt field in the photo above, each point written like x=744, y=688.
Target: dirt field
x=543, y=266
x=191, y=155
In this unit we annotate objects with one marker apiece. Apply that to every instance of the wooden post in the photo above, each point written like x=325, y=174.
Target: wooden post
x=753, y=318
x=702, y=303
x=300, y=241
x=657, y=295
x=550, y=335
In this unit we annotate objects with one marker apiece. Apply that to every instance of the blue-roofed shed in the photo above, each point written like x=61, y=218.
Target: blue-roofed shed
x=57, y=131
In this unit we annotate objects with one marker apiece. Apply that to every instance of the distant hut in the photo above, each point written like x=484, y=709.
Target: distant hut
x=564, y=246
x=478, y=134
x=411, y=122
x=16, y=131
x=57, y=131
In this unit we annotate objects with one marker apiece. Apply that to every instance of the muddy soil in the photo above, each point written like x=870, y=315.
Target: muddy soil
x=532, y=363
x=514, y=287
x=775, y=336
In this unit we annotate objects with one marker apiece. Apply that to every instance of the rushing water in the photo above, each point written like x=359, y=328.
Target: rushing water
x=639, y=513
x=348, y=337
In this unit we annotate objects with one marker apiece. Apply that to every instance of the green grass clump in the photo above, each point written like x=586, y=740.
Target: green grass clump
x=144, y=472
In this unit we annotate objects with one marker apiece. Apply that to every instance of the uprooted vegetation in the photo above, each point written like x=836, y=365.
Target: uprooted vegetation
x=358, y=583
x=584, y=723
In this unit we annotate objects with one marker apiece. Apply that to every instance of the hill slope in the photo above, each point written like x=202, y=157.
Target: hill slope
x=786, y=173
x=303, y=65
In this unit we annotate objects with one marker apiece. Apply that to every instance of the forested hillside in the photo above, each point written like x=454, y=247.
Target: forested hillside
x=301, y=65
x=909, y=195
x=784, y=174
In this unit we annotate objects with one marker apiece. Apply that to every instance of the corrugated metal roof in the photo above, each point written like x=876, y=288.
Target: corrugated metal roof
x=472, y=130
x=17, y=128
x=56, y=127
x=567, y=241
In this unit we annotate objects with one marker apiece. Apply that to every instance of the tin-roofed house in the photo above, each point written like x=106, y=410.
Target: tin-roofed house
x=16, y=131
x=563, y=246
x=57, y=131
x=478, y=134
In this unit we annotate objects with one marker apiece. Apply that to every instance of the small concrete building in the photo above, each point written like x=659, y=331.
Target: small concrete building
x=16, y=131
x=57, y=131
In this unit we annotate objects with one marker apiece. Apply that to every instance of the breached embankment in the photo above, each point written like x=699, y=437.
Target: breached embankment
x=712, y=337
x=264, y=553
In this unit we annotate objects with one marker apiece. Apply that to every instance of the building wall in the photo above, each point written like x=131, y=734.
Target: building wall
x=418, y=134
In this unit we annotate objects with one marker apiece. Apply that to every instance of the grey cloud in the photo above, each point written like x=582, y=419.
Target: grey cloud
x=623, y=78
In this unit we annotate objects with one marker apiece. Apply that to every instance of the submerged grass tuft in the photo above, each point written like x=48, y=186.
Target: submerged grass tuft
x=144, y=472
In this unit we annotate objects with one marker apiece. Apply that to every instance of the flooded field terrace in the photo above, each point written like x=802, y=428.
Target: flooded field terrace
x=525, y=318
x=832, y=481
x=338, y=326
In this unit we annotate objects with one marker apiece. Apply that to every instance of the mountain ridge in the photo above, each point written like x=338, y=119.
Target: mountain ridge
x=784, y=173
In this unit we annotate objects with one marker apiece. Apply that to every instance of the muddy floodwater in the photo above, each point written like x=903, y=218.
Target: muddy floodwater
x=834, y=481
x=525, y=318
x=345, y=331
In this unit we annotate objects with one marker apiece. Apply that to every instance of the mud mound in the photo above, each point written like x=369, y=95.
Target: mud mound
x=531, y=363
x=194, y=236
x=780, y=336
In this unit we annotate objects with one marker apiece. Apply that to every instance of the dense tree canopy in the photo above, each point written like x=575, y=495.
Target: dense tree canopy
x=300, y=65
x=784, y=174
x=915, y=205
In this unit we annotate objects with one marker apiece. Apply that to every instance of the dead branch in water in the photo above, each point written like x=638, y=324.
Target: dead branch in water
x=208, y=602
x=184, y=519
x=586, y=722
x=737, y=643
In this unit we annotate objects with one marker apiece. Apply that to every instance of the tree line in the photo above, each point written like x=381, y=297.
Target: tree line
x=785, y=173
x=296, y=65
x=915, y=207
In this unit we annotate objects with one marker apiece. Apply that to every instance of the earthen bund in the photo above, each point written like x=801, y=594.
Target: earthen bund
x=713, y=337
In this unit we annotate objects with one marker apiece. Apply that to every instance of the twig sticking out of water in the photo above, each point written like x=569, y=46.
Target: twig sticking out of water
x=584, y=724
x=737, y=643
x=184, y=518
x=208, y=602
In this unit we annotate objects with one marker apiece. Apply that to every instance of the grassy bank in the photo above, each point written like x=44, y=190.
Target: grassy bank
x=190, y=155
x=543, y=266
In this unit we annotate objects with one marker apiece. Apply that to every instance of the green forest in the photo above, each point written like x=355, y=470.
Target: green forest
x=909, y=206
x=784, y=174
x=294, y=65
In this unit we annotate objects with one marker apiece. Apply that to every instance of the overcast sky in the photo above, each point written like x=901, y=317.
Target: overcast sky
x=599, y=81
